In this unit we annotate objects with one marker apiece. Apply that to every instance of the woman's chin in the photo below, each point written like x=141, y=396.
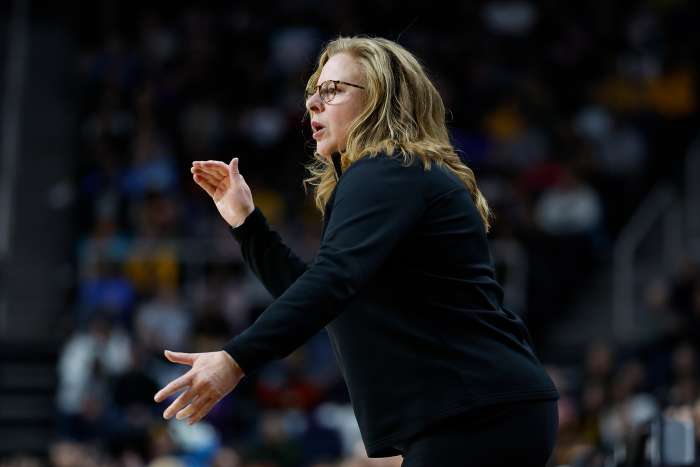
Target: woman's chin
x=324, y=151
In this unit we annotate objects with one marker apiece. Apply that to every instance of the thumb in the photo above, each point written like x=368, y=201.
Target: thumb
x=180, y=357
x=233, y=167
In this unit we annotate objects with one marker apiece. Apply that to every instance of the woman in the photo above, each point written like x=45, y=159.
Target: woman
x=437, y=369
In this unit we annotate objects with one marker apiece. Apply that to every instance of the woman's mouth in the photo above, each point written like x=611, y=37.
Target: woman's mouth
x=317, y=128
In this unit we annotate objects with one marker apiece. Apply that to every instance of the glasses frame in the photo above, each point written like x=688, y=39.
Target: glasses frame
x=336, y=82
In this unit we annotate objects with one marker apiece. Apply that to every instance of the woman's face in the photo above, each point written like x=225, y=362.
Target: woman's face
x=330, y=121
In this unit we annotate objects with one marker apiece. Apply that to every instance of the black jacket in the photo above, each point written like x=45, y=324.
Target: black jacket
x=404, y=284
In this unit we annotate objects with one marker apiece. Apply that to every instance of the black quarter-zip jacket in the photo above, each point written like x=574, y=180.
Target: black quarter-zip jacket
x=404, y=284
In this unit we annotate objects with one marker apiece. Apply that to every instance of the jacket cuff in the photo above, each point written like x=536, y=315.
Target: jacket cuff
x=255, y=220
x=237, y=352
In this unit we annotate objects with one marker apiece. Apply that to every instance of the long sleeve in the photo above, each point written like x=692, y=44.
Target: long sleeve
x=374, y=208
x=273, y=262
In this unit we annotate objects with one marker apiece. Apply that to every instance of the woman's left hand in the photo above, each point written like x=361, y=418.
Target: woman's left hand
x=212, y=376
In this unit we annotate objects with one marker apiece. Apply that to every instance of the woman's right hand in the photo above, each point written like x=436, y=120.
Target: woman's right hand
x=226, y=187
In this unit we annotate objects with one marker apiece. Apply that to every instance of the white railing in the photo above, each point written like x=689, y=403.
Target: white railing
x=661, y=208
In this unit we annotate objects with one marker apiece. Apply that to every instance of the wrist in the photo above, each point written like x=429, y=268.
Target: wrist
x=233, y=364
x=244, y=219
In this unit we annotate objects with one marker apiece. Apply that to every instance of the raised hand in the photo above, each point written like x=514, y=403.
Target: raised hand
x=227, y=188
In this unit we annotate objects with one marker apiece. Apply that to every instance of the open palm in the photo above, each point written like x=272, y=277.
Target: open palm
x=227, y=188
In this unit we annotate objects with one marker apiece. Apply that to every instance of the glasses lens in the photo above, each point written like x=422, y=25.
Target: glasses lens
x=327, y=91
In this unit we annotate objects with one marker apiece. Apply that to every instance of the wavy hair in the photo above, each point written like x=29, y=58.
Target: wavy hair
x=403, y=114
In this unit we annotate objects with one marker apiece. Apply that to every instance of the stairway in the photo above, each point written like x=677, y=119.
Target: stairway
x=612, y=306
x=36, y=273
x=27, y=397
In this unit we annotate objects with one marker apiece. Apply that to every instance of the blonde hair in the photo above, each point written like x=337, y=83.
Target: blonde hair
x=403, y=113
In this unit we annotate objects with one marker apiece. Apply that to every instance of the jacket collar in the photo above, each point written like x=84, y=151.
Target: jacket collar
x=336, y=163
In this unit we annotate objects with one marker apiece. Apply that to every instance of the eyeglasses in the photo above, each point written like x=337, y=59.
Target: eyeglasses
x=328, y=88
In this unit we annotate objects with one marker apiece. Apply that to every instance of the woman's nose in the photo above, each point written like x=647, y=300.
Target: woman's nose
x=314, y=103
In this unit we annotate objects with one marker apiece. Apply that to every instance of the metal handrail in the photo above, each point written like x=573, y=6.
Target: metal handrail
x=657, y=207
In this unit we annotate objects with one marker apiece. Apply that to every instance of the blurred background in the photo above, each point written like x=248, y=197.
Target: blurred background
x=580, y=120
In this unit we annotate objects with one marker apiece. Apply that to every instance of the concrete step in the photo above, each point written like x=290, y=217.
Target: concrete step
x=29, y=408
x=25, y=439
x=37, y=377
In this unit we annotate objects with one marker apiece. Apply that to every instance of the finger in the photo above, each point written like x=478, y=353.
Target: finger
x=233, y=168
x=218, y=172
x=194, y=408
x=174, y=386
x=205, y=184
x=211, y=402
x=213, y=162
x=214, y=175
x=181, y=357
x=214, y=180
x=217, y=166
x=182, y=400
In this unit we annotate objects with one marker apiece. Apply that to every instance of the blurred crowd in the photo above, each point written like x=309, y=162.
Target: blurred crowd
x=611, y=399
x=567, y=114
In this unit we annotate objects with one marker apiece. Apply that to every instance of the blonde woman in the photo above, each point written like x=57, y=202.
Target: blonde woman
x=437, y=369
